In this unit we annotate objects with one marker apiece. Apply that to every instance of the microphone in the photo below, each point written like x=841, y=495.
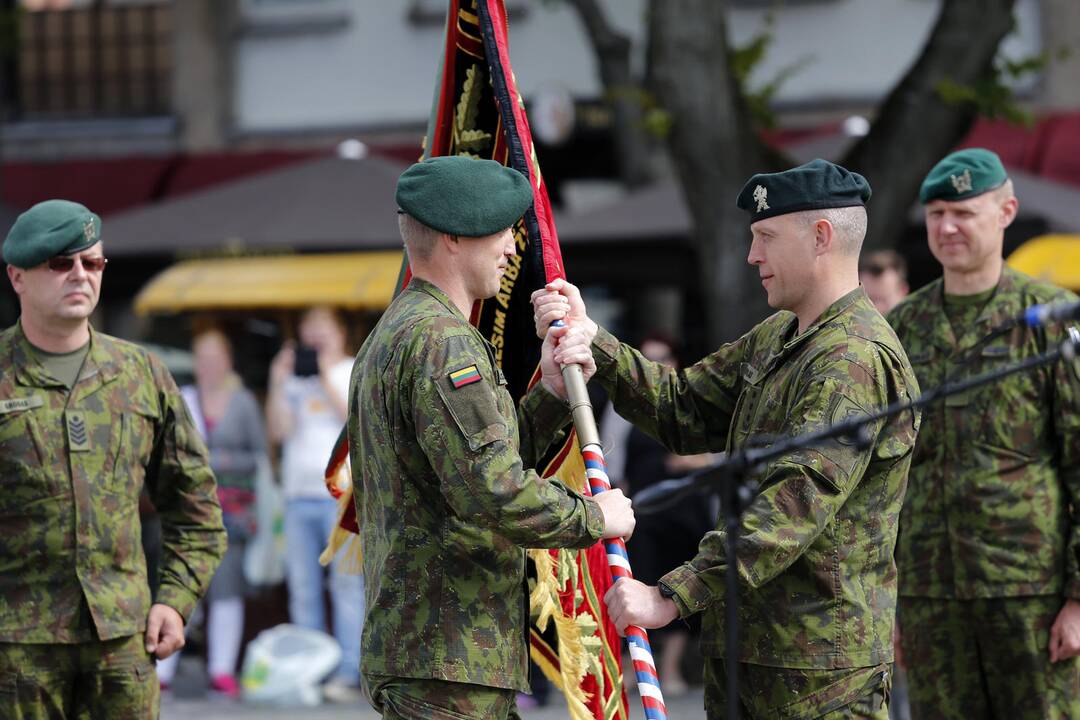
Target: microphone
x=1050, y=313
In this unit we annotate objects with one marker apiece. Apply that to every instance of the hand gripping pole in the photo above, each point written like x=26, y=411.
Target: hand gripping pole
x=648, y=683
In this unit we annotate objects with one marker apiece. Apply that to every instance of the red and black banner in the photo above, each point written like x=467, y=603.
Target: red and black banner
x=479, y=112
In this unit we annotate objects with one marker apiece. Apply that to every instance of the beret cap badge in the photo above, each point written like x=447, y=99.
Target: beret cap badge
x=961, y=182
x=761, y=197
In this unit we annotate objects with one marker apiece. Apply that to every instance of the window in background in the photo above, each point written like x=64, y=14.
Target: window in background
x=81, y=59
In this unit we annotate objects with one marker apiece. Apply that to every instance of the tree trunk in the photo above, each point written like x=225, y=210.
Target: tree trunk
x=914, y=127
x=623, y=94
x=715, y=151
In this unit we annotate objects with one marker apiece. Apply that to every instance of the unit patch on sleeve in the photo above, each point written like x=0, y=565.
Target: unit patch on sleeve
x=465, y=376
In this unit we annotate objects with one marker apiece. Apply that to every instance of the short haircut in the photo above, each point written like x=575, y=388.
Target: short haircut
x=881, y=261
x=848, y=223
x=419, y=238
x=1005, y=190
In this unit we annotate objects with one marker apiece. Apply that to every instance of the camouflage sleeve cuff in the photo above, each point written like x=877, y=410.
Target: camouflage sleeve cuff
x=594, y=519
x=548, y=413
x=1072, y=589
x=692, y=594
x=605, y=347
x=178, y=598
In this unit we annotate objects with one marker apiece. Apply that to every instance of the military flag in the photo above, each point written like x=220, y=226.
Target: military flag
x=478, y=112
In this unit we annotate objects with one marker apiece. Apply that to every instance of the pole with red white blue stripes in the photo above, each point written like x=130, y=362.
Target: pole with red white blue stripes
x=648, y=683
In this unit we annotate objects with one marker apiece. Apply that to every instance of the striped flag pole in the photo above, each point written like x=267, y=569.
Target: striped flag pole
x=648, y=682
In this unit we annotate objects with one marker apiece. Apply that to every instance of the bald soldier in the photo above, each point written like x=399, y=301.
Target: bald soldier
x=86, y=422
x=989, y=578
x=444, y=495
x=815, y=546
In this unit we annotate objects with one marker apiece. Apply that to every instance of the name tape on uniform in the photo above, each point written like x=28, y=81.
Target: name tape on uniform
x=16, y=404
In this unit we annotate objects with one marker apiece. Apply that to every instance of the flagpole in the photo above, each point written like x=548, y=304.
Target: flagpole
x=648, y=682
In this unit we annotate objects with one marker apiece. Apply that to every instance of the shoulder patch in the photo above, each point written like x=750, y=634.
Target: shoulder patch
x=845, y=409
x=465, y=376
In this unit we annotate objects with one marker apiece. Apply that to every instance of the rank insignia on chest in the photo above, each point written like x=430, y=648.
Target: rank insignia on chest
x=77, y=431
x=465, y=376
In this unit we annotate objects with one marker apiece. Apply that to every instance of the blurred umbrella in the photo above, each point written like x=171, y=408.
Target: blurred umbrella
x=353, y=281
x=330, y=203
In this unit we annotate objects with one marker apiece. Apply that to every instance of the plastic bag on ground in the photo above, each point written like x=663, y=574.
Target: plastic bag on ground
x=284, y=666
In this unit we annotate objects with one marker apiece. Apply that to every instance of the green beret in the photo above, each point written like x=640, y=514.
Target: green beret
x=460, y=195
x=53, y=227
x=963, y=174
x=814, y=186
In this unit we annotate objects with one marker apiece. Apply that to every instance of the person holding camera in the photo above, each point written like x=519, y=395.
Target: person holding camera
x=306, y=407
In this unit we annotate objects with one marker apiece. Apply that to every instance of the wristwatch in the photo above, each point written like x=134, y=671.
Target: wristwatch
x=665, y=590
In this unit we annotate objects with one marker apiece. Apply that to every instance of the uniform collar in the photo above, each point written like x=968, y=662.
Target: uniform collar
x=841, y=306
x=1000, y=310
x=424, y=286
x=102, y=363
x=828, y=315
x=428, y=288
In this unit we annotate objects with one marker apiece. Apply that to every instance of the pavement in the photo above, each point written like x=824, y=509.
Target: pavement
x=689, y=706
x=189, y=700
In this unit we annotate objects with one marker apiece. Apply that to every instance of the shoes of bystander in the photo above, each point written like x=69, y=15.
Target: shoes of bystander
x=225, y=685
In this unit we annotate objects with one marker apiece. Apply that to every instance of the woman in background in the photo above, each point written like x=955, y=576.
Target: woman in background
x=228, y=416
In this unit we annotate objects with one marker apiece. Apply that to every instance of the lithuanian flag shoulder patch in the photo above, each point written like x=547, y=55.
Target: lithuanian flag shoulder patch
x=465, y=376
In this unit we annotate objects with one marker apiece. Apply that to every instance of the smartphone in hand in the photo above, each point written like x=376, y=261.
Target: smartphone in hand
x=306, y=363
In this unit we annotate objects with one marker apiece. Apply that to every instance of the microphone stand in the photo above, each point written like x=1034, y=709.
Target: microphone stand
x=731, y=478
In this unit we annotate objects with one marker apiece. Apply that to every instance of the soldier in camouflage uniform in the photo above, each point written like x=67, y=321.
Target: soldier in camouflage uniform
x=444, y=498
x=989, y=581
x=86, y=421
x=815, y=547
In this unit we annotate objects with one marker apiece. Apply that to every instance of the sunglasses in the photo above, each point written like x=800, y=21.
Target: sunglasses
x=64, y=263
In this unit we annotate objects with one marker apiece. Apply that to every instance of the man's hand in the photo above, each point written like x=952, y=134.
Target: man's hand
x=164, y=631
x=574, y=348
x=619, y=520
x=559, y=300
x=630, y=602
x=1065, y=633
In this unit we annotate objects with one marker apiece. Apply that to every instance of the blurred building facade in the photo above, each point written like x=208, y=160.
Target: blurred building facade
x=125, y=104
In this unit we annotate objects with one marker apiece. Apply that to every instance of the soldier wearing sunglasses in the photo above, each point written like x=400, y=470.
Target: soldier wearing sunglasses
x=86, y=421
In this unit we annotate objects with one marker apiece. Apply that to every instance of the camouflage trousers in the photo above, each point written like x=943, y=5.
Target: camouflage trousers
x=986, y=658
x=83, y=681
x=398, y=698
x=773, y=692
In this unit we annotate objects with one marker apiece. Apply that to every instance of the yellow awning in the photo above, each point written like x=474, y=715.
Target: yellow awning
x=353, y=281
x=1053, y=258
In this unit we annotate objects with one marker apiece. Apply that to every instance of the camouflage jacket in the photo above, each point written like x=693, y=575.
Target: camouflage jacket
x=444, y=499
x=815, y=547
x=998, y=467
x=71, y=480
